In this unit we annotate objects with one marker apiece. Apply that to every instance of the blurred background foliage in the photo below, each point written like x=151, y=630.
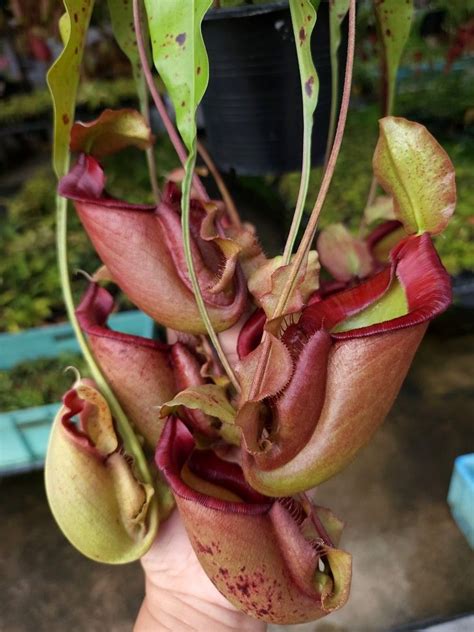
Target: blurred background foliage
x=37, y=382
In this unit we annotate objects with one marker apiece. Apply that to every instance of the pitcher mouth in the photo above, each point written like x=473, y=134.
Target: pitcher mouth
x=175, y=450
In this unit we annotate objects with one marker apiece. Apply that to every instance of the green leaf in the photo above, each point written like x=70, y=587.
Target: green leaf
x=121, y=16
x=209, y=398
x=303, y=18
x=391, y=305
x=64, y=25
x=412, y=167
x=337, y=12
x=112, y=131
x=63, y=78
x=394, y=19
x=180, y=57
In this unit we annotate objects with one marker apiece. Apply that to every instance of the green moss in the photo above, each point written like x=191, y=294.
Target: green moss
x=92, y=95
x=38, y=382
x=441, y=101
x=456, y=244
x=351, y=182
x=30, y=293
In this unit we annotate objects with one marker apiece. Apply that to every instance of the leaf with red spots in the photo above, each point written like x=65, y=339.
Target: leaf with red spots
x=303, y=18
x=63, y=77
x=121, y=16
x=178, y=53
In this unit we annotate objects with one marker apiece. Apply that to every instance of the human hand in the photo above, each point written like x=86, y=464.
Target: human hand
x=179, y=597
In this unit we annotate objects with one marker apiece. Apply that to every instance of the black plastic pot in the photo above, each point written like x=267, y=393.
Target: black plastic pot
x=252, y=108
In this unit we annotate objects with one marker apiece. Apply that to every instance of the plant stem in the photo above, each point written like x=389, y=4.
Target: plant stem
x=131, y=444
x=150, y=155
x=158, y=101
x=308, y=108
x=334, y=99
x=300, y=203
x=221, y=185
x=151, y=164
x=185, y=211
x=372, y=193
x=310, y=230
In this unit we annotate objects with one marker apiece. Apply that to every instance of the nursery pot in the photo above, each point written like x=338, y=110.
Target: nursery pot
x=252, y=107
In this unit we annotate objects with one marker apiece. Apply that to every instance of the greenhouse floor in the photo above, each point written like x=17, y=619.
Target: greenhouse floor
x=411, y=563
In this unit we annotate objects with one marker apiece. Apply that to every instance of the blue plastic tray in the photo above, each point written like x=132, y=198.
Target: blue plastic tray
x=50, y=341
x=24, y=438
x=24, y=433
x=461, y=495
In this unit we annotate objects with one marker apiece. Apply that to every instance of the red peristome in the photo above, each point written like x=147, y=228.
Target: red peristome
x=416, y=265
x=291, y=420
x=78, y=432
x=335, y=308
x=326, y=288
x=85, y=181
x=251, y=333
x=208, y=466
x=93, y=311
x=427, y=284
x=174, y=451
